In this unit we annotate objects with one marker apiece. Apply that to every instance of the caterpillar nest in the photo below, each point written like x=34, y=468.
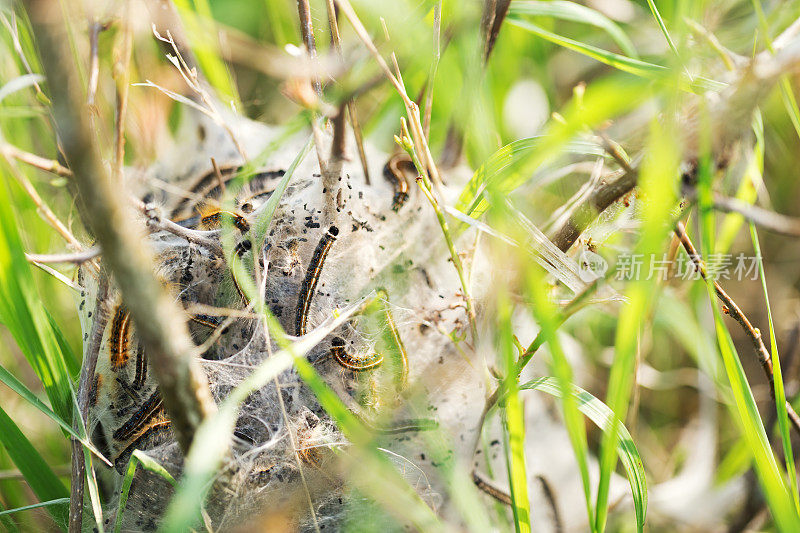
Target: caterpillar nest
x=380, y=242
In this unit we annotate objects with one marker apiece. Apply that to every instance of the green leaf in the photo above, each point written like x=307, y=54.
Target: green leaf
x=603, y=417
x=770, y=477
x=576, y=13
x=39, y=476
x=547, y=316
x=662, y=27
x=519, y=162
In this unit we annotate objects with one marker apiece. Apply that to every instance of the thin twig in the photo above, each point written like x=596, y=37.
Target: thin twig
x=218, y=174
x=159, y=320
x=733, y=310
x=598, y=201
x=76, y=258
x=42, y=163
x=425, y=185
x=156, y=222
x=84, y=389
x=95, y=28
x=13, y=31
x=307, y=34
x=43, y=208
x=412, y=110
x=338, y=145
x=764, y=218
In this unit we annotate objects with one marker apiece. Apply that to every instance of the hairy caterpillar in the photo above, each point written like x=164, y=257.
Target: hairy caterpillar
x=312, y=277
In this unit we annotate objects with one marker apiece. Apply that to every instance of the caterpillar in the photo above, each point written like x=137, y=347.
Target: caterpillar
x=209, y=218
x=259, y=187
x=160, y=426
x=141, y=369
x=339, y=353
x=119, y=338
x=312, y=277
x=395, y=172
x=138, y=420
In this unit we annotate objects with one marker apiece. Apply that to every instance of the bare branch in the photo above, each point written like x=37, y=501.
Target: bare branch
x=336, y=42
x=733, y=310
x=78, y=258
x=159, y=320
x=494, y=14
x=307, y=33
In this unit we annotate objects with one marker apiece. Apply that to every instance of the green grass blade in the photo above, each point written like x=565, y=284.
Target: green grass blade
x=630, y=65
x=39, y=476
x=138, y=458
x=576, y=13
x=514, y=420
x=22, y=312
x=771, y=478
x=780, y=395
x=778, y=498
x=8, y=524
x=662, y=27
x=546, y=315
x=505, y=170
x=57, y=501
x=17, y=386
x=787, y=93
x=603, y=417
x=747, y=191
x=658, y=183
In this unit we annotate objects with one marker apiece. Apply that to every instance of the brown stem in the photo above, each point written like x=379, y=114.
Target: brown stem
x=336, y=42
x=307, y=32
x=754, y=334
x=159, y=320
x=84, y=388
x=597, y=202
x=494, y=13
